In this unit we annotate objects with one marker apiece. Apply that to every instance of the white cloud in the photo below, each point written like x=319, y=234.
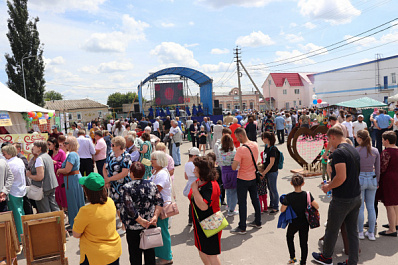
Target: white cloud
x=167, y=25
x=171, y=53
x=244, y=3
x=109, y=67
x=191, y=23
x=309, y=25
x=314, y=49
x=55, y=61
x=292, y=25
x=332, y=11
x=359, y=41
x=60, y=6
x=255, y=39
x=286, y=56
x=219, y=51
x=117, y=41
x=215, y=68
x=293, y=38
x=191, y=45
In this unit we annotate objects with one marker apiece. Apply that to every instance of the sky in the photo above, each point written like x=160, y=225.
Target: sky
x=93, y=48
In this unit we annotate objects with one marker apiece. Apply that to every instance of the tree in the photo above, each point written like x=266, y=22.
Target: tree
x=52, y=95
x=25, y=45
x=117, y=99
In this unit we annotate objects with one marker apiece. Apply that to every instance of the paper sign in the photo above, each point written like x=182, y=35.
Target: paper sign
x=42, y=121
x=24, y=139
x=5, y=119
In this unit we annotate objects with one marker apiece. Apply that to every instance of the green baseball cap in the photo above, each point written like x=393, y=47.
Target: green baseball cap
x=93, y=181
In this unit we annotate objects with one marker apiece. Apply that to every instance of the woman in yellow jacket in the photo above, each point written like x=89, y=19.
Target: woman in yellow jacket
x=95, y=225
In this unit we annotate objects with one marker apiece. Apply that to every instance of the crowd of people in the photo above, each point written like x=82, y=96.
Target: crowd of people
x=122, y=168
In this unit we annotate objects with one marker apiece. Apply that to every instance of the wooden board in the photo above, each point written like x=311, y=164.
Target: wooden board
x=7, y=250
x=9, y=217
x=44, y=238
x=305, y=173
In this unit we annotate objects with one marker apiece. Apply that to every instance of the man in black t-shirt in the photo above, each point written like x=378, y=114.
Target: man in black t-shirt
x=346, y=201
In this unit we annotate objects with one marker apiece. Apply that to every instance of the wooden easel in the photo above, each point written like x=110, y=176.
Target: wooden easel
x=9, y=243
x=44, y=238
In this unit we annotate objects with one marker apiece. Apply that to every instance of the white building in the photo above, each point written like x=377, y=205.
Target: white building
x=375, y=79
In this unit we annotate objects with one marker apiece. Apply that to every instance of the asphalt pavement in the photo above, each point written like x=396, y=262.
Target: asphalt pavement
x=258, y=246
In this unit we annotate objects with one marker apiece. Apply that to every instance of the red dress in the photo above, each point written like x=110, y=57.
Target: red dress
x=60, y=195
x=388, y=185
x=233, y=127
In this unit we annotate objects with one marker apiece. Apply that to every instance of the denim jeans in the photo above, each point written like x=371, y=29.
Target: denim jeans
x=343, y=210
x=175, y=153
x=289, y=129
x=368, y=188
x=373, y=136
x=273, y=190
x=281, y=136
x=379, y=144
x=232, y=199
x=242, y=187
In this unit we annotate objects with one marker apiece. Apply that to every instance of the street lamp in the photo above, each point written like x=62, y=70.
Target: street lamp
x=23, y=74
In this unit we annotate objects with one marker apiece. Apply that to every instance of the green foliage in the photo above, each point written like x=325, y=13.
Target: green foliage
x=117, y=99
x=24, y=42
x=52, y=95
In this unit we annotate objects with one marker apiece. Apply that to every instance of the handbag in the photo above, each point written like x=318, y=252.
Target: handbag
x=169, y=209
x=34, y=193
x=212, y=224
x=259, y=176
x=146, y=162
x=151, y=238
x=312, y=214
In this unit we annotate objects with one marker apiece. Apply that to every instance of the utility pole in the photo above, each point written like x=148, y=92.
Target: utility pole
x=237, y=53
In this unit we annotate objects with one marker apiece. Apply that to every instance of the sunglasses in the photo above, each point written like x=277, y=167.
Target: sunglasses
x=66, y=143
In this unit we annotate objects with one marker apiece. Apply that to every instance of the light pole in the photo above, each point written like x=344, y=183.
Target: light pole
x=23, y=74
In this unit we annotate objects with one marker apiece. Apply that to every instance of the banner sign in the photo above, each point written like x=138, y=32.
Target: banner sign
x=24, y=139
x=5, y=119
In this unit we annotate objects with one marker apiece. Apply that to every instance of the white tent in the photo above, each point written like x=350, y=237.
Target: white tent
x=15, y=105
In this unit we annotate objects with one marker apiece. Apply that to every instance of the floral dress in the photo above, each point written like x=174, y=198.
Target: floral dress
x=115, y=165
x=147, y=155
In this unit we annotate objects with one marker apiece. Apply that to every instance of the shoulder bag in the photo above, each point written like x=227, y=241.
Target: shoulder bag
x=311, y=213
x=169, y=209
x=212, y=224
x=34, y=192
x=258, y=174
x=151, y=238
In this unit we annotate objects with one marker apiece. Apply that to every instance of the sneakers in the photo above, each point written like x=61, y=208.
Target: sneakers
x=253, y=224
x=319, y=258
x=273, y=211
x=239, y=231
x=343, y=263
x=232, y=213
x=371, y=236
x=360, y=235
x=292, y=261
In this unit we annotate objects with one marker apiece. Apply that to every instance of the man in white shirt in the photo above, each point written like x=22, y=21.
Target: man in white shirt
x=357, y=126
x=176, y=139
x=86, y=153
x=156, y=127
x=348, y=124
x=109, y=127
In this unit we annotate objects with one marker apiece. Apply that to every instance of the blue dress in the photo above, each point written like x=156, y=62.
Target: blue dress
x=74, y=191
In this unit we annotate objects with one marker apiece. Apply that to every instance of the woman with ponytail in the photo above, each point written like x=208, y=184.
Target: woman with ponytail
x=368, y=179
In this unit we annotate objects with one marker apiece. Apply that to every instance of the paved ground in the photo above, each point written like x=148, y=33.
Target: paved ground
x=264, y=246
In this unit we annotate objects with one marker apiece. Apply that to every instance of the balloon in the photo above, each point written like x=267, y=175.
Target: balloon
x=49, y=118
x=33, y=113
x=314, y=96
x=30, y=114
x=319, y=101
x=50, y=114
x=39, y=114
x=31, y=119
x=46, y=116
x=314, y=102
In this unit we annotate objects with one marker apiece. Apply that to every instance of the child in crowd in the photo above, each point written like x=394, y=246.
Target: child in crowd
x=202, y=139
x=193, y=152
x=262, y=190
x=324, y=162
x=298, y=201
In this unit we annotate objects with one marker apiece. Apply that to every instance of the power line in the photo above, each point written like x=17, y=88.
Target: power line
x=322, y=50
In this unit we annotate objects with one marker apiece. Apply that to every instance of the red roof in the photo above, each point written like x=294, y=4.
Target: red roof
x=293, y=79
